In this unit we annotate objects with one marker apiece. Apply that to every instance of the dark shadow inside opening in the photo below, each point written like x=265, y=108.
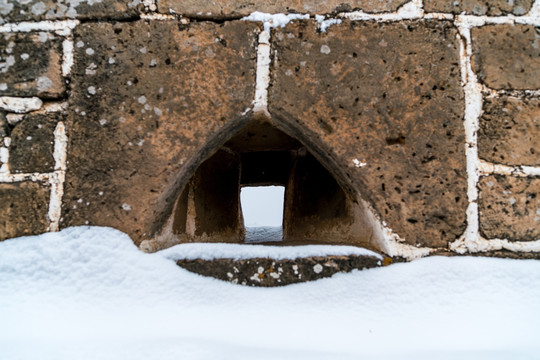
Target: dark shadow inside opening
x=316, y=209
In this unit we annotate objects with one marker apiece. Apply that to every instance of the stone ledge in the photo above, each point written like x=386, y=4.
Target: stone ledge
x=267, y=272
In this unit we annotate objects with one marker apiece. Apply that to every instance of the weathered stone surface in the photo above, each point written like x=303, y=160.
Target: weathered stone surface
x=150, y=101
x=510, y=207
x=31, y=64
x=236, y=9
x=32, y=144
x=269, y=272
x=17, y=10
x=507, y=56
x=384, y=101
x=4, y=128
x=510, y=131
x=24, y=209
x=4, y=133
x=479, y=7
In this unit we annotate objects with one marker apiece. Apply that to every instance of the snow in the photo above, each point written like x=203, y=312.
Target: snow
x=88, y=293
x=209, y=251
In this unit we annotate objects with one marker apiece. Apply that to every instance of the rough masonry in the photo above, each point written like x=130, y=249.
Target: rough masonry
x=406, y=127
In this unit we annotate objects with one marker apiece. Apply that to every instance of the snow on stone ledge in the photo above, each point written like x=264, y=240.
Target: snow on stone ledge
x=210, y=251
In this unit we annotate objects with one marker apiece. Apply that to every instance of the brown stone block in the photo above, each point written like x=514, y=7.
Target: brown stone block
x=31, y=64
x=32, y=144
x=509, y=207
x=150, y=102
x=267, y=272
x=383, y=101
x=236, y=9
x=510, y=131
x=479, y=7
x=17, y=10
x=24, y=209
x=507, y=56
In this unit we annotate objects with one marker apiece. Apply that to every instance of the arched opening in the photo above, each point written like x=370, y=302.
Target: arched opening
x=317, y=210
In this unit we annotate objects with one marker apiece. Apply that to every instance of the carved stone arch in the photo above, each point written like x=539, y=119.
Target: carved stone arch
x=322, y=204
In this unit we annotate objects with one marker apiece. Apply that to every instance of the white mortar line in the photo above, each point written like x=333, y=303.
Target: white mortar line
x=58, y=177
x=4, y=155
x=158, y=17
x=487, y=168
x=473, y=109
x=150, y=5
x=484, y=245
x=53, y=107
x=260, y=103
x=411, y=10
x=471, y=241
x=12, y=178
x=67, y=56
x=61, y=25
x=491, y=93
x=20, y=105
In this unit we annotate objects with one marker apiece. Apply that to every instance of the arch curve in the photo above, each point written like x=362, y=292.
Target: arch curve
x=322, y=204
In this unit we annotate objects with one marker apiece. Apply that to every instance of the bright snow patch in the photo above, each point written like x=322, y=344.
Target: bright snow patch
x=209, y=251
x=88, y=293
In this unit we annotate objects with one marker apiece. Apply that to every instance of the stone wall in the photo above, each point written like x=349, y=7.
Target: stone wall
x=427, y=114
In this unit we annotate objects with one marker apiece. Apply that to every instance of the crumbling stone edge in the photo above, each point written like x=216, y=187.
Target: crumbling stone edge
x=265, y=272
x=475, y=92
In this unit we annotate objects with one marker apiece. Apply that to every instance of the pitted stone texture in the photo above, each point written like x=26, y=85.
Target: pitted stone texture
x=31, y=10
x=510, y=131
x=507, y=56
x=236, y=9
x=267, y=272
x=509, y=207
x=31, y=64
x=150, y=101
x=24, y=209
x=479, y=7
x=4, y=127
x=384, y=101
x=32, y=144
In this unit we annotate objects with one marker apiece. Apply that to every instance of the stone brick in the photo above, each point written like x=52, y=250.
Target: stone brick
x=23, y=210
x=479, y=7
x=32, y=144
x=146, y=99
x=507, y=56
x=510, y=207
x=268, y=272
x=384, y=101
x=510, y=131
x=237, y=9
x=31, y=64
x=16, y=10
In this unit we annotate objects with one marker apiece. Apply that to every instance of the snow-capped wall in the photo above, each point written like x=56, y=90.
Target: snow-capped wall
x=427, y=114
